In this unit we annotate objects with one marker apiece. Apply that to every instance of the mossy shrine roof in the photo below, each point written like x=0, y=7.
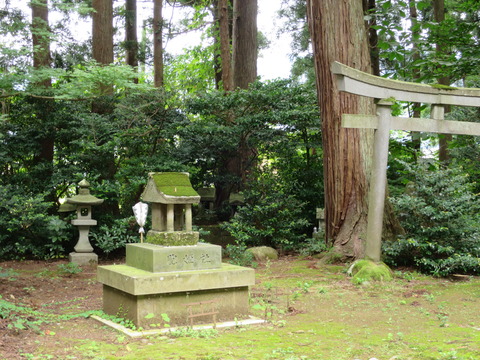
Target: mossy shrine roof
x=170, y=188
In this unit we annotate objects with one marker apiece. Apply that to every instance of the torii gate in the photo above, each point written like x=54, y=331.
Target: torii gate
x=385, y=90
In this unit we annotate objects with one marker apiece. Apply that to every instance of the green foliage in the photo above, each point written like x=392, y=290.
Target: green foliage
x=412, y=53
x=238, y=255
x=270, y=216
x=110, y=238
x=274, y=122
x=440, y=214
x=312, y=246
x=21, y=317
x=69, y=269
x=26, y=229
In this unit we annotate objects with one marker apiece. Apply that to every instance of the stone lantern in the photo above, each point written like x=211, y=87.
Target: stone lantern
x=83, y=201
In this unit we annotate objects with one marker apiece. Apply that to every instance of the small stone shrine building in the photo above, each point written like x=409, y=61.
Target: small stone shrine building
x=171, y=196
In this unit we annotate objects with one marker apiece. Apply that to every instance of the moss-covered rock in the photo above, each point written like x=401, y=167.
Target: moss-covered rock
x=366, y=270
x=176, y=238
x=263, y=253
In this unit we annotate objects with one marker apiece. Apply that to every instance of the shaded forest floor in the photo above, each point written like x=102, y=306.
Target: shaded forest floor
x=313, y=312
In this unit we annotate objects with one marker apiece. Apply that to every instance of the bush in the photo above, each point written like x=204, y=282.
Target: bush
x=440, y=214
x=312, y=246
x=269, y=217
x=109, y=238
x=26, y=229
x=238, y=255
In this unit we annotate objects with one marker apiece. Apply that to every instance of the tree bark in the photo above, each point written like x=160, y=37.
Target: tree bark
x=41, y=58
x=225, y=42
x=368, y=7
x=416, y=139
x=131, y=38
x=40, y=41
x=43, y=159
x=157, y=43
x=244, y=43
x=440, y=49
x=338, y=33
x=102, y=31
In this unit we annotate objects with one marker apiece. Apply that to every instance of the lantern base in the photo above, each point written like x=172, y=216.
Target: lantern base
x=83, y=258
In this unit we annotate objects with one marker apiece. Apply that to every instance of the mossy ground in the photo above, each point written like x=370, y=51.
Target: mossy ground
x=314, y=312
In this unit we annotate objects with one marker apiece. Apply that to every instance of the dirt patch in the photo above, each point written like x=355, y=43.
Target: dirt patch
x=41, y=298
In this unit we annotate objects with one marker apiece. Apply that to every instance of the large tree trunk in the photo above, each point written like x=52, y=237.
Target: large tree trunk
x=338, y=33
x=131, y=38
x=102, y=31
x=157, y=43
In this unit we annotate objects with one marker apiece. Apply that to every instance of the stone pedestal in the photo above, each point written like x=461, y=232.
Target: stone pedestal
x=83, y=258
x=160, y=280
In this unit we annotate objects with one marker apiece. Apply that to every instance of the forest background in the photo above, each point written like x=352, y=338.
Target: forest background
x=113, y=107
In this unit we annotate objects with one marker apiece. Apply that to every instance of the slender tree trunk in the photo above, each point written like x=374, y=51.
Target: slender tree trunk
x=368, y=7
x=440, y=48
x=244, y=43
x=102, y=31
x=416, y=139
x=225, y=41
x=102, y=47
x=40, y=39
x=41, y=58
x=244, y=72
x=157, y=43
x=131, y=38
x=338, y=33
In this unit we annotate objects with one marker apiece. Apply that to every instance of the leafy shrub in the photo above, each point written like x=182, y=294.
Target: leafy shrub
x=69, y=269
x=312, y=246
x=440, y=214
x=270, y=216
x=109, y=238
x=26, y=229
x=239, y=255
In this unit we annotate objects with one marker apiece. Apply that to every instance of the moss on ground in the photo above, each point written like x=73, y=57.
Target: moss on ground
x=367, y=270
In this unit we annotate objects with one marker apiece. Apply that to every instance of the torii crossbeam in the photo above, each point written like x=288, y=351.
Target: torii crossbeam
x=386, y=91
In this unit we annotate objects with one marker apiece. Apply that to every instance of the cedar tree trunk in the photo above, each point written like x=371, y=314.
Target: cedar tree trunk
x=338, y=33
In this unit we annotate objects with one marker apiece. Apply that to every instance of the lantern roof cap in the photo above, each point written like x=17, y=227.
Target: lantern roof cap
x=84, y=197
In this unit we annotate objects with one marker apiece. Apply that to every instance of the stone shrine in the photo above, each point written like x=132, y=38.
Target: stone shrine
x=171, y=272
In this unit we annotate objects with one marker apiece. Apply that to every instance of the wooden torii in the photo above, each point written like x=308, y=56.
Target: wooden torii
x=386, y=91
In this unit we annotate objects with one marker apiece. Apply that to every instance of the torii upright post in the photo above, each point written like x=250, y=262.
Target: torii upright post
x=360, y=83
x=378, y=182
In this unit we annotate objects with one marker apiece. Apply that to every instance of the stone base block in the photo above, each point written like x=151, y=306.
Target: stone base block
x=83, y=258
x=156, y=258
x=146, y=310
x=140, y=282
x=174, y=238
x=143, y=296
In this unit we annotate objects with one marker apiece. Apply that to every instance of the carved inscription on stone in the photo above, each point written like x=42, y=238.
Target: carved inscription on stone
x=205, y=258
x=172, y=259
x=189, y=259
